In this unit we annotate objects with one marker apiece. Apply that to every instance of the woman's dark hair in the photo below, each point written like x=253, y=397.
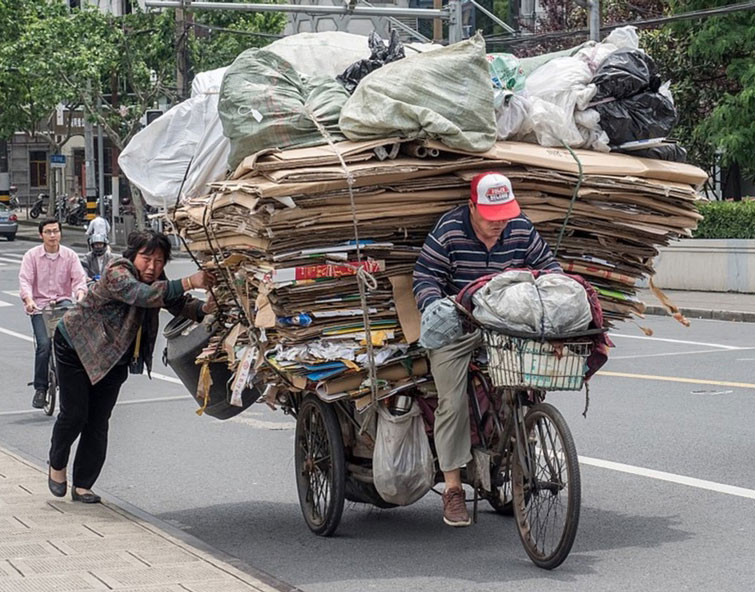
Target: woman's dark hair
x=47, y=221
x=148, y=240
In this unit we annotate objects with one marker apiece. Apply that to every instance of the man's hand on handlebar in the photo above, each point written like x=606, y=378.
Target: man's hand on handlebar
x=30, y=306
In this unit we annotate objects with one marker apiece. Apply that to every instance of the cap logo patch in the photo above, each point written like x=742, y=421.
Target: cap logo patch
x=500, y=194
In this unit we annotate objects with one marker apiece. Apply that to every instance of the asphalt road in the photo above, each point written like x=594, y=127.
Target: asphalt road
x=666, y=448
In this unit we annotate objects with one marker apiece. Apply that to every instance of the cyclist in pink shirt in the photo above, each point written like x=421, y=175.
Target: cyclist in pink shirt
x=49, y=273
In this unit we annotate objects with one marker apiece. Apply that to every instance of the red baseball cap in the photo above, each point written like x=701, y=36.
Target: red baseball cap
x=494, y=197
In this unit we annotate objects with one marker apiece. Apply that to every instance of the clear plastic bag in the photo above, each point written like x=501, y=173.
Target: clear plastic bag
x=402, y=465
x=512, y=113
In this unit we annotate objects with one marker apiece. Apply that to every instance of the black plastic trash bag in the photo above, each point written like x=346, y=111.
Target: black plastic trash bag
x=670, y=151
x=640, y=117
x=624, y=73
x=381, y=55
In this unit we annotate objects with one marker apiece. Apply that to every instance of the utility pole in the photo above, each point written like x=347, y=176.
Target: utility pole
x=437, y=23
x=594, y=17
x=594, y=20
x=455, y=25
x=101, y=167
x=91, y=188
x=182, y=61
x=4, y=175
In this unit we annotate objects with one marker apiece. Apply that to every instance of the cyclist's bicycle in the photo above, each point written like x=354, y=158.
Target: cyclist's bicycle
x=52, y=313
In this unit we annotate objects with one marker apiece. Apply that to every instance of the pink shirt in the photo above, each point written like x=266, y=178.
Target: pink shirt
x=49, y=280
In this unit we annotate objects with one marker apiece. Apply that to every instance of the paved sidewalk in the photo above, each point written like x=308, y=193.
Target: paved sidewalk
x=49, y=544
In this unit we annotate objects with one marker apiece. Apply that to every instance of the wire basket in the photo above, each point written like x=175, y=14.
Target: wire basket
x=52, y=317
x=528, y=363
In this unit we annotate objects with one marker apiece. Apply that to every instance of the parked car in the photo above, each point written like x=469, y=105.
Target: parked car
x=8, y=223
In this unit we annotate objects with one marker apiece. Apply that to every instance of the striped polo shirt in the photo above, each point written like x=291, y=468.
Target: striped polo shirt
x=453, y=256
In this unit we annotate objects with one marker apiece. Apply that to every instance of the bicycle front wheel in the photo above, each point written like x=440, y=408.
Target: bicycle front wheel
x=546, y=488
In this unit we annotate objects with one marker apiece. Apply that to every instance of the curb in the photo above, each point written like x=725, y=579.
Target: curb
x=701, y=313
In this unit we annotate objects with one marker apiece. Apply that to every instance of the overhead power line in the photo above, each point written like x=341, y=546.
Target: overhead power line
x=644, y=23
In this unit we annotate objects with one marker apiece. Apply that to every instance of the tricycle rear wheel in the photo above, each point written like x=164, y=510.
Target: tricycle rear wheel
x=320, y=465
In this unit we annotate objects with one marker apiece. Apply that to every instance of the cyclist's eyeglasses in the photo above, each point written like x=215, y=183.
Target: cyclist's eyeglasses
x=56, y=231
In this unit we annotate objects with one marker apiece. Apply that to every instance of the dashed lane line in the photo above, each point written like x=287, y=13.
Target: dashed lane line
x=670, y=477
x=645, y=338
x=17, y=335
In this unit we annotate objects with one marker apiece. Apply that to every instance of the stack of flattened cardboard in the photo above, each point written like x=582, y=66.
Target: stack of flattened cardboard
x=284, y=231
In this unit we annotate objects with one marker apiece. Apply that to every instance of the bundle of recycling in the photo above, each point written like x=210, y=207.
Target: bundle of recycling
x=282, y=232
x=316, y=232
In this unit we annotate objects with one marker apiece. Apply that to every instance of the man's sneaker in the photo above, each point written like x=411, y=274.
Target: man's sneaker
x=454, y=508
x=39, y=399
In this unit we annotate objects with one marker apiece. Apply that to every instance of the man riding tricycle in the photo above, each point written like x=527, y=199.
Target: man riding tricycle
x=500, y=326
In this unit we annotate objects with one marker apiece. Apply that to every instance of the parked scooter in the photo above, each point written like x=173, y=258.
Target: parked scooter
x=39, y=206
x=76, y=210
x=13, y=203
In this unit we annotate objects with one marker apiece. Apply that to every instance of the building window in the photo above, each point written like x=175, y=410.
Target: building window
x=37, y=168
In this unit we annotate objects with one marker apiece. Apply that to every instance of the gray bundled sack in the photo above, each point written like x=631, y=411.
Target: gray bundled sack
x=444, y=94
x=440, y=324
x=265, y=103
x=551, y=305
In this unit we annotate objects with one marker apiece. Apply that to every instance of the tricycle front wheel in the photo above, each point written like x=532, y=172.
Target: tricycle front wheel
x=546, y=490
x=320, y=465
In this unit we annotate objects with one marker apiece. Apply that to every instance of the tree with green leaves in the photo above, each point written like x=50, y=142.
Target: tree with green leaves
x=112, y=68
x=715, y=64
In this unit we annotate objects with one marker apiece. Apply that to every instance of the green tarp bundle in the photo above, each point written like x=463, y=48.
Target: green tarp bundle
x=444, y=94
x=265, y=103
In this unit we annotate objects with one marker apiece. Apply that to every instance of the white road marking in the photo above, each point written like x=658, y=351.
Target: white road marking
x=118, y=404
x=262, y=424
x=684, y=353
x=670, y=477
x=622, y=336
x=155, y=400
x=14, y=261
x=18, y=335
x=4, y=303
x=11, y=293
x=165, y=377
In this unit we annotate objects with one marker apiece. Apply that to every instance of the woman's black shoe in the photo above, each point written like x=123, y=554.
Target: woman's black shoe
x=85, y=498
x=56, y=488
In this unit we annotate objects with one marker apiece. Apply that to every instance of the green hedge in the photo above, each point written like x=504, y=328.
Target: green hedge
x=727, y=219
